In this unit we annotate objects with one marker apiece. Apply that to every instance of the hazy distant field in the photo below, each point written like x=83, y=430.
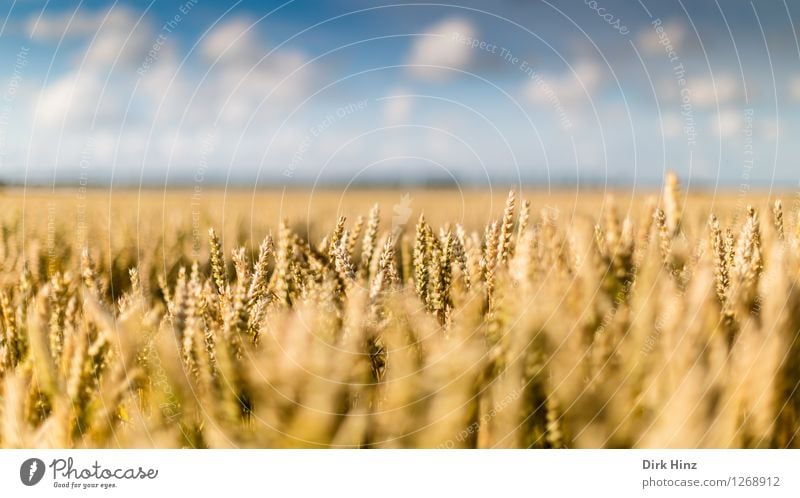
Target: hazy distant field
x=540, y=319
x=253, y=212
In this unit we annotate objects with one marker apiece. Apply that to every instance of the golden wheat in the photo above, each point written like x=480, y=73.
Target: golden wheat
x=662, y=328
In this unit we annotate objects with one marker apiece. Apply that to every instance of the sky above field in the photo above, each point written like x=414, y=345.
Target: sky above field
x=256, y=92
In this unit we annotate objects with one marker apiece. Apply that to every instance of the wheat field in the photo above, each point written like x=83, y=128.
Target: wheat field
x=392, y=319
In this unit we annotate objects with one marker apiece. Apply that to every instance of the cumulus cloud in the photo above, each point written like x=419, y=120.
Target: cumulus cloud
x=727, y=123
x=443, y=45
x=672, y=124
x=89, y=92
x=794, y=88
x=566, y=88
x=397, y=108
x=72, y=96
x=245, y=73
x=105, y=72
x=140, y=108
x=651, y=42
x=233, y=42
x=708, y=92
x=771, y=128
x=68, y=24
x=116, y=36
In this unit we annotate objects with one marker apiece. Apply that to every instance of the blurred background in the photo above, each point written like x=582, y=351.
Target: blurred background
x=271, y=94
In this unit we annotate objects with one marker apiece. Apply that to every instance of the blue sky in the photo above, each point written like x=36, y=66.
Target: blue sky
x=284, y=94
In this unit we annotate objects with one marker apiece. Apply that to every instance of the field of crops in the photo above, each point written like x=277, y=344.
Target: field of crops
x=394, y=319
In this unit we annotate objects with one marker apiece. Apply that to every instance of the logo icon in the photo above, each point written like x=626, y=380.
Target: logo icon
x=31, y=471
x=402, y=211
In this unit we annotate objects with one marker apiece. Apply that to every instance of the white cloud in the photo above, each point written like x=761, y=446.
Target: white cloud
x=442, y=45
x=794, y=88
x=771, y=128
x=242, y=77
x=706, y=92
x=116, y=36
x=68, y=24
x=727, y=123
x=586, y=75
x=233, y=42
x=162, y=111
x=672, y=124
x=72, y=96
x=566, y=88
x=397, y=108
x=93, y=89
x=652, y=42
x=100, y=88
